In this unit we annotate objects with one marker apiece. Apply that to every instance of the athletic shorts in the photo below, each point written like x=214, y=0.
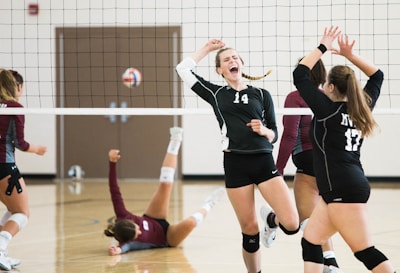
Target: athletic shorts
x=304, y=162
x=359, y=195
x=245, y=169
x=11, y=169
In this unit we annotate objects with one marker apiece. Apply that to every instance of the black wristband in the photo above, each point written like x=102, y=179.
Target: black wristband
x=322, y=48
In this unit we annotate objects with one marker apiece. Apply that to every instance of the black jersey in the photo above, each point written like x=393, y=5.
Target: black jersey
x=336, y=141
x=233, y=110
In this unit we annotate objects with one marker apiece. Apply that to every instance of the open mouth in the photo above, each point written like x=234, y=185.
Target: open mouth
x=234, y=70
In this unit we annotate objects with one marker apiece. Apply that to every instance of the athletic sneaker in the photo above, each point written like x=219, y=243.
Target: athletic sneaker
x=214, y=198
x=4, y=262
x=176, y=133
x=14, y=261
x=331, y=269
x=268, y=233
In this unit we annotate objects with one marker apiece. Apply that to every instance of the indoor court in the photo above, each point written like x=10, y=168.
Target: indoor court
x=102, y=74
x=65, y=233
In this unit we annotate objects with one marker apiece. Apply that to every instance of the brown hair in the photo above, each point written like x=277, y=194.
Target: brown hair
x=123, y=231
x=317, y=73
x=18, y=77
x=218, y=64
x=358, y=102
x=8, y=86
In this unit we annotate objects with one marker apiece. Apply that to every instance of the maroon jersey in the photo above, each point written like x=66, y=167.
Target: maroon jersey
x=153, y=234
x=11, y=133
x=296, y=128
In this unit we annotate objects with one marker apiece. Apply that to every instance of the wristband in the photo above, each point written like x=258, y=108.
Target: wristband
x=322, y=48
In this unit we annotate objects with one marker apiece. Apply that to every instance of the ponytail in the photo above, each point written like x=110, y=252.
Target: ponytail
x=123, y=231
x=358, y=102
x=255, y=78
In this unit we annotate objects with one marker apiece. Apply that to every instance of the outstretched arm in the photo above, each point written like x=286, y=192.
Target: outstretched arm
x=116, y=196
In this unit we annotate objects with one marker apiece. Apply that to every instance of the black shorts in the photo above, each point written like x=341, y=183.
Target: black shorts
x=359, y=195
x=304, y=162
x=245, y=169
x=11, y=169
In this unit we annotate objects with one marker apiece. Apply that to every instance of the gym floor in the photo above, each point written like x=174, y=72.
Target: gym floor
x=65, y=232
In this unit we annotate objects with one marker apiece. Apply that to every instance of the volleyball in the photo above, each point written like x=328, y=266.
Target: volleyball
x=132, y=77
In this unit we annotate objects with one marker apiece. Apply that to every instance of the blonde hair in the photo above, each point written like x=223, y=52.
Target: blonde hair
x=8, y=86
x=255, y=78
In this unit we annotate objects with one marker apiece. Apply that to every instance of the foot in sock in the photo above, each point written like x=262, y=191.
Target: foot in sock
x=176, y=133
x=214, y=198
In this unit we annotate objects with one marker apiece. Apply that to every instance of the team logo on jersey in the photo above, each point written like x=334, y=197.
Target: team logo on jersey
x=145, y=225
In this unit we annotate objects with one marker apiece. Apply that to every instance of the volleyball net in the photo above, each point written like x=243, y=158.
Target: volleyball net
x=72, y=54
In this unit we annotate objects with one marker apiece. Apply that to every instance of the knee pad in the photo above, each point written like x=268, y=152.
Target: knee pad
x=312, y=253
x=167, y=174
x=5, y=218
x=370, y=257
x=289, y=232
x=251, y=243
x=20, y=218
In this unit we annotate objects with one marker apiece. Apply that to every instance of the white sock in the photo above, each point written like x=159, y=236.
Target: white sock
x=329, y=254
x=207, y=207
x=213, y=199
x=173, y=146
x=198, y=217
x=5, y=238
x=175, y=140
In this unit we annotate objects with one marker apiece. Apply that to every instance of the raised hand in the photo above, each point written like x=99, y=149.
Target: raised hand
x=345, y=46
x=114, y=155
x=215, y=44
x=330, y=35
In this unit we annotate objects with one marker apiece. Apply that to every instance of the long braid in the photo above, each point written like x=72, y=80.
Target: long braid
x=255, y=78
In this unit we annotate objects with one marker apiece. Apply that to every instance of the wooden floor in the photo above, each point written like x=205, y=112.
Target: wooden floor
x=65, y=232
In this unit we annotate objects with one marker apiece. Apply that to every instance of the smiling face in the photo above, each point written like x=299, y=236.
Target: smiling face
x=229, y=64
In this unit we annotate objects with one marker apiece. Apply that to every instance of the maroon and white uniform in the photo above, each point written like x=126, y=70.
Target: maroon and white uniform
x=11, y=133
x=153, y=232
x=11, y=137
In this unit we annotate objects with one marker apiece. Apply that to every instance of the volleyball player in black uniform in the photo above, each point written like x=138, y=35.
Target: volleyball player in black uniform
x=342, y=118
x=247, y=121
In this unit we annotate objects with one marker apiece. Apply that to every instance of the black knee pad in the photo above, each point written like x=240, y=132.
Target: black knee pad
x=312, y=253
x=251, y=243
x=370, y=257
x=289, y=232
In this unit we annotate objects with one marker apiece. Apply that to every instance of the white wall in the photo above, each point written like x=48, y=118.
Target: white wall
x=267, y=34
